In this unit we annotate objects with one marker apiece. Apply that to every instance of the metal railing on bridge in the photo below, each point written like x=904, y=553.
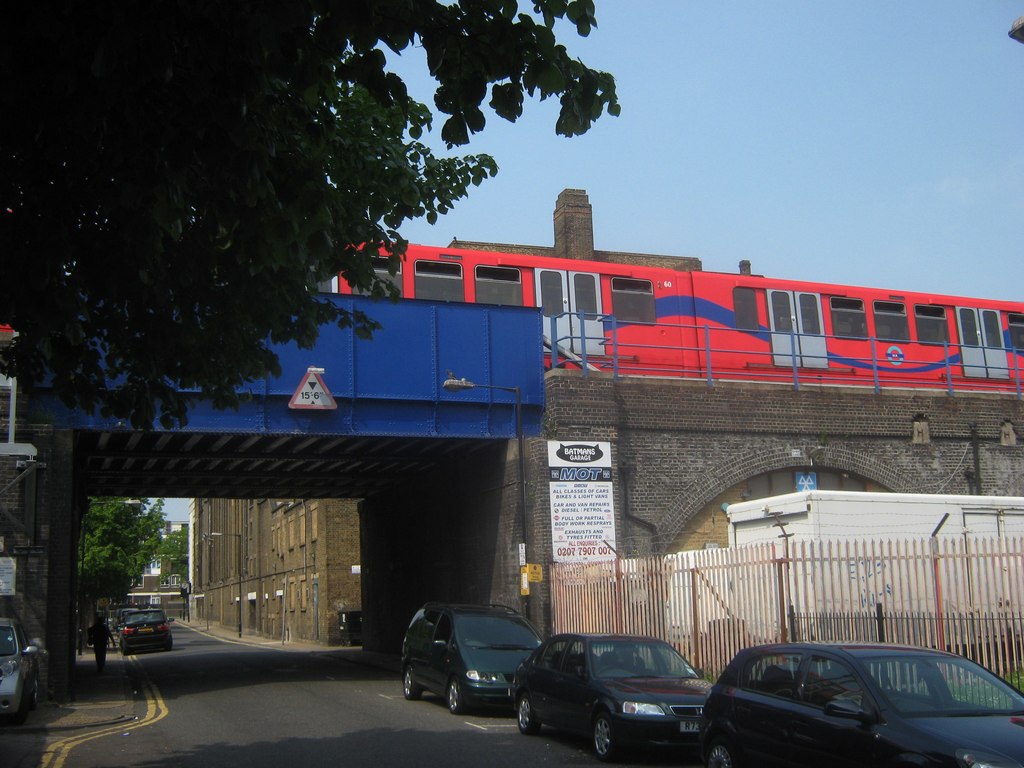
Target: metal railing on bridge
x=727, y=354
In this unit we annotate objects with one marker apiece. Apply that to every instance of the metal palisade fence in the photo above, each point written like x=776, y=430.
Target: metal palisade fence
x=965, y=595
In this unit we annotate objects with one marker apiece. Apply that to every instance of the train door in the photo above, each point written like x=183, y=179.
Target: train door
x=563, y=295
x=795, y=319
x=981, y=343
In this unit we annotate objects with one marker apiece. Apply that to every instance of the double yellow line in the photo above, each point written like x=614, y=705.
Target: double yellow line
x=156, y=709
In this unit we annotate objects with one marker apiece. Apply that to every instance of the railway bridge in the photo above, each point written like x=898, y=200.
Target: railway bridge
x=443, y=506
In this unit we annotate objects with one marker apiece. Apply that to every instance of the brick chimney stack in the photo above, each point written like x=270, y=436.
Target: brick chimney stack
x=574, y=225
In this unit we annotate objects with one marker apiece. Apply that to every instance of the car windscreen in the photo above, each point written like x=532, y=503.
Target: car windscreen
x=494, y=642
x=637, y=658
x=8, y=644
x=498, y=633
x=930, y=686
x=144, y=617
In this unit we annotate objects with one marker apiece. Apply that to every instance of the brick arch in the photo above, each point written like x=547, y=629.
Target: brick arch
x=725, y=476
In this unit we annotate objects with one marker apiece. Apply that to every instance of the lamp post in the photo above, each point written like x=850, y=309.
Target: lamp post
x=1017, y=30
x=453, y=384
x=239, y=536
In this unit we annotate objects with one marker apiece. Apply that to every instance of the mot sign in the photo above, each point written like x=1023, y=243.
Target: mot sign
x=582, y=503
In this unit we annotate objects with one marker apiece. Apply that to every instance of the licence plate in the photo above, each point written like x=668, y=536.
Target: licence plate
x=144, y=630
x=689, y=726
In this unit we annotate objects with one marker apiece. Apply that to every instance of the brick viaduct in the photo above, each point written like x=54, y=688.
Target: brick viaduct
x=681, y=450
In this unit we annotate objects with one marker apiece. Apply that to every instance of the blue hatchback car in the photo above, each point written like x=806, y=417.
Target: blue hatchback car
x=806, y=704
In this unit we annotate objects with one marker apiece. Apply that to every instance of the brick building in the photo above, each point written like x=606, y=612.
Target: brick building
x=300, y=565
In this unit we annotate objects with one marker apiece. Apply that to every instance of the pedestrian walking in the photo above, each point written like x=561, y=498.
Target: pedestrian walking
x=100, y=637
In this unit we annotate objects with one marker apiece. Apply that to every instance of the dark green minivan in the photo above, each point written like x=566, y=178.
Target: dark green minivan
x=466, y=653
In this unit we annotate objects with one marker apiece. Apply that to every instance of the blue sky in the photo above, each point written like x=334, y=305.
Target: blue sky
x=870, y=143
x=176, y=510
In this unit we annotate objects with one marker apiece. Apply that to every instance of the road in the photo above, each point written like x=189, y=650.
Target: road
x=213, y=703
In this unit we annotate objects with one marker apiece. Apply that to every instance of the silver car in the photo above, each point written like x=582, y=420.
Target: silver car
x=19, y=671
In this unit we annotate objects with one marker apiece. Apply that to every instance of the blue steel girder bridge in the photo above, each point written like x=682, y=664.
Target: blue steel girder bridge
x=392, y=416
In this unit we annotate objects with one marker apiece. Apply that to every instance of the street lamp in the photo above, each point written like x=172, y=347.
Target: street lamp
x=1017, y=30
x=452, y=384
x=239, y=536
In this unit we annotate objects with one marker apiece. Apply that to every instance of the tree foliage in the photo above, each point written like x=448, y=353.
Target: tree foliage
x=121, y=539
x=172, y=552
x=177, y=178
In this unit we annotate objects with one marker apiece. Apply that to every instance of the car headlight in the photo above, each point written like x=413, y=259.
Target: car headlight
x=642, y=708
x=970, y=758
x=9, y=668
x=483, y=677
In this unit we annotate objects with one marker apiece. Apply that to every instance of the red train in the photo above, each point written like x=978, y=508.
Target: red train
x=643, y=320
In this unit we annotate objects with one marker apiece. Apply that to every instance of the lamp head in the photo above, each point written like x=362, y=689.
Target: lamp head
x=452, y=384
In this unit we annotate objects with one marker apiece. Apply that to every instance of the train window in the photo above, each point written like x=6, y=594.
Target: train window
x=810, y=315
x=891, y=321
x=1017, y=330
x=932, y=327
x=584, y=293
x=499, y=285
x=551, y=293
x=848, y=318
x=782, y=314
x=380, y=268
x=990, y=327
x=633, y=300
x=970, y=336
x=441, y=282
x=744, y=303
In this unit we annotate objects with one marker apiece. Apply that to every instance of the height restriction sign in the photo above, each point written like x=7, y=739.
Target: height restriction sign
x=312, y=393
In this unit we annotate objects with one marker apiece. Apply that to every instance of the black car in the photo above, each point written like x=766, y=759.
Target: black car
x=807, y=704
x=466, y=653
x=120, y=615
x=621, y=690
x=146, y=630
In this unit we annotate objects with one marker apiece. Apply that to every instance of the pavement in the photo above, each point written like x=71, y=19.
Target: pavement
x=106, y=698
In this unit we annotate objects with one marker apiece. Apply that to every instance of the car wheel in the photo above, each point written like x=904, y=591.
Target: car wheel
x=410, y=689
x=21, y=715
x=33, y=700
x=604, y=737
x=124, y=650
x=455, y=704
x=526, y=717
x=722, y=755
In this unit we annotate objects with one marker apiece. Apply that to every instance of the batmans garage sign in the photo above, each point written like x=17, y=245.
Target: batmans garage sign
x=582, y=503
